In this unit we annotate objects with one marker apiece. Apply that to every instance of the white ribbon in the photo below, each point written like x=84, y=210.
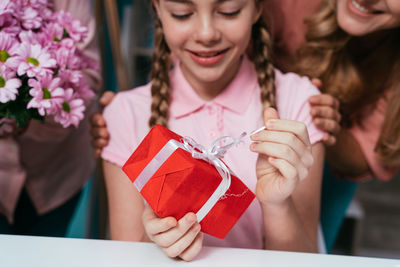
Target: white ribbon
x=212, y=155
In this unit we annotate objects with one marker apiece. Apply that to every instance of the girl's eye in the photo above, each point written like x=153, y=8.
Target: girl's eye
x=181, y=16
x=230, y=14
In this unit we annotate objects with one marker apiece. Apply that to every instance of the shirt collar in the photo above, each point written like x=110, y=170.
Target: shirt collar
x=236, y=97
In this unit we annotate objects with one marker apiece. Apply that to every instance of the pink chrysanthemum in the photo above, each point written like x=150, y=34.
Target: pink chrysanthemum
x=8, y=85
x=47, y=94
x=71, y=111
x=73, y=27
x=32, y=60
x=8, y=23
x=30, y=18
x=8, y=46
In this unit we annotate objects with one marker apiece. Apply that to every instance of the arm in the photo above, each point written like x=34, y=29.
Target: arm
x=125, y=205
x=289, y=182
x=344, y=163
x=131, y=220
x=292, y=225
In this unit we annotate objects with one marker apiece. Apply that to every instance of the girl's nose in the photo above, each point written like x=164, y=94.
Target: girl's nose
x=207, y=31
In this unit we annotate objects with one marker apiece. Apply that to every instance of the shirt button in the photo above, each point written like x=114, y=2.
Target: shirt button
x=212, y=135
x=211, y=110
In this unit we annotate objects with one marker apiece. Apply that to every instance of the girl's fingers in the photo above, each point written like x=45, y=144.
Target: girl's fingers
x=167, y=238
x=155, y=225
x=184, y=242
x=295, y=127
x=285, y=138
x=193, y=250
x=267, y=189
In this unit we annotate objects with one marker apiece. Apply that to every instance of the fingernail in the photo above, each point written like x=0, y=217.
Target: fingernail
x=190, y=218
x=270, y=123
x=257, y=131
x=196, y=228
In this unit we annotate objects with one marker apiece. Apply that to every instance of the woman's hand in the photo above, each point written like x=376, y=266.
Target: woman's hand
x=100, y=135
x=181, y=238
x=284, y=157
x=9, y=128
x=325, y=113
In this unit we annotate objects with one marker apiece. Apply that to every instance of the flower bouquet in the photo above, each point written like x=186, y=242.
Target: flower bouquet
x=41, y=65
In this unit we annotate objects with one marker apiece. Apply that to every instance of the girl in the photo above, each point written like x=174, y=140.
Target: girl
x=213, y=90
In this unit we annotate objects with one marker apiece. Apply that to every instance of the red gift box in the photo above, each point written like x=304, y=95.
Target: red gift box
x=176, y=183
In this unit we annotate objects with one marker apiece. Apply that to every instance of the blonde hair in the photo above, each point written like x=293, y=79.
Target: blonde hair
x=160, y=89
x=356, y=80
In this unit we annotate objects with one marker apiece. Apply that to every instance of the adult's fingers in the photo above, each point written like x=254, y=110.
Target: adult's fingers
x=317, y=83
x=97, y=120
x=106, y=98
x=326, y=125
x=325, y=112
x=99, y=132
x=324, y=99
x=329, y=140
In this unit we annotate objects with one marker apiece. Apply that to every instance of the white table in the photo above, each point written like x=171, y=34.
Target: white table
x=27, y=251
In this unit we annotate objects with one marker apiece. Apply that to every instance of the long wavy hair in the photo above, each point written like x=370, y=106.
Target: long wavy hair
x=358, y=78
x=161, y=65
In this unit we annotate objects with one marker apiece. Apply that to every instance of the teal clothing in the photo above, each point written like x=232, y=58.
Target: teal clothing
x=335, y=199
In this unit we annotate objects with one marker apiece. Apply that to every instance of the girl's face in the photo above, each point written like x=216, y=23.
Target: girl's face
x=362, y=17
x=208, y=37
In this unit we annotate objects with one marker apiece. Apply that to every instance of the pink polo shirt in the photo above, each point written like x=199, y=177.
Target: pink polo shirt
x=237, y=109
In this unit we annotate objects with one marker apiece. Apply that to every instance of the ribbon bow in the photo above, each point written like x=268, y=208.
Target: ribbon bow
x=213, y=155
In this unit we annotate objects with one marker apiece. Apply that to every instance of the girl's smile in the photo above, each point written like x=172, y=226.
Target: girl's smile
x=209, y=38
x=208, y=58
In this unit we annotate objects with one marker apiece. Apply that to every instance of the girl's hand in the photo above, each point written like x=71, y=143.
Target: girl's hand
x=99, y=132
x=284, y=157
x=325, y=113
x=181, y=238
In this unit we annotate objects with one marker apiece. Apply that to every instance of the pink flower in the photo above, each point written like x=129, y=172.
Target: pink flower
x=32, y=60
x=8, y=23
x=71, y=111
x=47, y=94
x=8, y=85
x=6, y=126
x=83, y=90
x=74, y=28
x=30, y=18
x=54, y=32
x=8, y=46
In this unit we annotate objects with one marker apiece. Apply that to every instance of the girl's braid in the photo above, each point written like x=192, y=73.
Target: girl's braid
x=261, y=55
x=159, y=78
